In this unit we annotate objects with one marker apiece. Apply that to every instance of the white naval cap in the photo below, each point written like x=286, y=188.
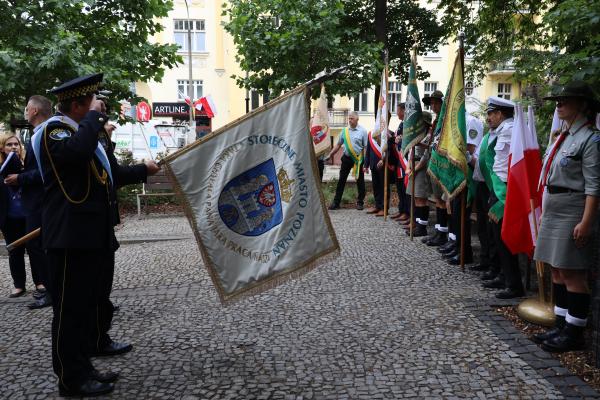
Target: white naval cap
x=498, y=103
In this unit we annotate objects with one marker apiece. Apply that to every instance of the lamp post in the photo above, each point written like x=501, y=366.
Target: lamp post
x=192, y=133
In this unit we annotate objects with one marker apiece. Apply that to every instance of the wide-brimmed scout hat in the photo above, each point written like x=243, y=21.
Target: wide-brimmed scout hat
x=77, y=87
x=577, y=89
x=437, y=94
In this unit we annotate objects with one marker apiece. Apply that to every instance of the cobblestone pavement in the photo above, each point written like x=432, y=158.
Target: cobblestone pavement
x=384, y=320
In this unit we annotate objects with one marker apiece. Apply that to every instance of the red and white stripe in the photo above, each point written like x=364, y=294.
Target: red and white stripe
x=523, y=199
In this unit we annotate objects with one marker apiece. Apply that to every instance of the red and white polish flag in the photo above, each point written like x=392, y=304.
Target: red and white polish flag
x=206, y=103
x=522, y=209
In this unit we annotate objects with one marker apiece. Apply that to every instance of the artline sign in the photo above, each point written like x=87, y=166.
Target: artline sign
x=170, y=109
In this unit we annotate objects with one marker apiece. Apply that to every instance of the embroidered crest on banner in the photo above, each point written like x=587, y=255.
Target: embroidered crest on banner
x=250, y=203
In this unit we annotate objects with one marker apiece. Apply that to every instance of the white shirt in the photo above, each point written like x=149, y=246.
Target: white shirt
x=502, y=149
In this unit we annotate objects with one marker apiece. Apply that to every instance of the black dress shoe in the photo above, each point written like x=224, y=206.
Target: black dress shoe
x=334, y=207
x=112, y=349
x=569, y=339
x=489, y=276
x=17, y=294
x=452, y=254
x=104, y=377
x=456, y=259
x=89, y=388
x=39, y=293
x=420, y=230
x=360, y=207
x=450, y=244
x=542, y=337
x=42, y=302
x=510, y=293
x=479, y=267
x=496, y=283
x=440, y=239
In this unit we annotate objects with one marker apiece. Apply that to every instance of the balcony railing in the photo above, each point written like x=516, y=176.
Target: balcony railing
x=503, y=67
x=338, y=116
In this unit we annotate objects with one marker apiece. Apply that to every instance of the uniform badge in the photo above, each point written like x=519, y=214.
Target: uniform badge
x=59, y=134
x=564, y=162
x=472, y=133
x=250, y=204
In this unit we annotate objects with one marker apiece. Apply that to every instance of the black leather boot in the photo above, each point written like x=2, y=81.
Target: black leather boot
x=559, y=324
x=448, y=247
x=429, y=238
x=442, y=238
x=569, y=339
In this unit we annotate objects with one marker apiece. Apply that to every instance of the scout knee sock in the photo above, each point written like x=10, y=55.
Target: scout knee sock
x=442, y=219
x=562, y=303
x=423, y=215
x=579, y=304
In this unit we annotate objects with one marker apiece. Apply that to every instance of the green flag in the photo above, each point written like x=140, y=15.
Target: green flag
x=414, y=129
x=448, y=163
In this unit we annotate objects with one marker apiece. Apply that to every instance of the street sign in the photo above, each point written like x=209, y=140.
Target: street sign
x=143, y=112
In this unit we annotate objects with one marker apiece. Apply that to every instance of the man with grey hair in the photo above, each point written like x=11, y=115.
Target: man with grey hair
x=38, y=110
x=354, y=139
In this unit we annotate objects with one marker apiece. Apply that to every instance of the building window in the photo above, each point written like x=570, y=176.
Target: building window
x=361, y=102
x=429, y=87
x=255, y=96
x=180, y=33
x=183, y=86
x=469, y=88
x=504, y=90
x=394, y=95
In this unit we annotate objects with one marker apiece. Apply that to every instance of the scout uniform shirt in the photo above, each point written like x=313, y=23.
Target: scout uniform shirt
x=576, y=164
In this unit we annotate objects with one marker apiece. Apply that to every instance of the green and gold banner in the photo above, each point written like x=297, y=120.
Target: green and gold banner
x=414, y=129
x=448, y=164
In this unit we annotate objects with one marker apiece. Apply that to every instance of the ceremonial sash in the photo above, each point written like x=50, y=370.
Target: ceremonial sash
x=36, y=143
x=356, y=158
x=375, y=146
x=493, y=182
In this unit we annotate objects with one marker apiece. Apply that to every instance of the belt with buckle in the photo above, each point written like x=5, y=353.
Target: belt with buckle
x=558, y=189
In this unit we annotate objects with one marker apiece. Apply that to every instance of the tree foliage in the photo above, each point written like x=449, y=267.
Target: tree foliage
x=283, y=43
x=546, y=40
x=45, y=42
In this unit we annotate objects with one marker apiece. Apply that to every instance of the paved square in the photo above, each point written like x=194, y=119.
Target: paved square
x=384, y=320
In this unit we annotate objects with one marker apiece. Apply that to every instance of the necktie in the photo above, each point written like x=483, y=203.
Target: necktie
x=559, y=141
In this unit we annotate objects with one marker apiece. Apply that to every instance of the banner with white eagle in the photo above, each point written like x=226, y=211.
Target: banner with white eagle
x=251, y=193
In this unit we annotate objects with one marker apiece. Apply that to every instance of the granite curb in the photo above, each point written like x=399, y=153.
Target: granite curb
x=571, y=386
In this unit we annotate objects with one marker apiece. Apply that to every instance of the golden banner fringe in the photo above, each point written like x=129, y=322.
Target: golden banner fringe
x=456, y=191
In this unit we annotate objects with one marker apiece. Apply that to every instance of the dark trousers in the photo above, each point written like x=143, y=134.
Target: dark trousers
x=37, y=256
x=15, y=228
x=377, y=176
x=345, y=169
x=509, y=263
x=403, y=197
x=456, y=223
x=74, y=274
x=482, y=196
x=321, y=165
x=101, y=318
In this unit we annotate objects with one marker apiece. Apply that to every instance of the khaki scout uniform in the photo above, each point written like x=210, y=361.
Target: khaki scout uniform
x=573, y=175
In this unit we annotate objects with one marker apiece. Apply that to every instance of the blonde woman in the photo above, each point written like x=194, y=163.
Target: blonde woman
x=12, y=217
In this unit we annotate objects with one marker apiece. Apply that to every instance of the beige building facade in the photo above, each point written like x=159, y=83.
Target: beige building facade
x=213, y=64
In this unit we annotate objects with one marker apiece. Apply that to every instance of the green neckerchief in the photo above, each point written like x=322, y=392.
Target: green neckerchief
x=493, y=182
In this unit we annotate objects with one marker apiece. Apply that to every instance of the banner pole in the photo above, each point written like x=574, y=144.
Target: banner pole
x=463, y=212
x=412, y=193
x=385, y=187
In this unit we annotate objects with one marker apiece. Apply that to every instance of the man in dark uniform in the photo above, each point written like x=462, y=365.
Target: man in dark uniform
x=100, y=342
x=77, y=228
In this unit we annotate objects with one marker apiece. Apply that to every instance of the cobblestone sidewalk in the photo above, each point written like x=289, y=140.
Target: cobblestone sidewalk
x=384, y=320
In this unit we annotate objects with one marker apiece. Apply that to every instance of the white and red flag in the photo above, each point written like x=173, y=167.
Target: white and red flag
x=207, y=104
x=522, y=209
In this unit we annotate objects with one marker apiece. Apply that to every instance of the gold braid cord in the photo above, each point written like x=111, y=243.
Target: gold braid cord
x=62, y=188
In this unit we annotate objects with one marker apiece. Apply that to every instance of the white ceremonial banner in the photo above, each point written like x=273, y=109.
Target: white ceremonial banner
x=251, y=192
x=319, y=126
